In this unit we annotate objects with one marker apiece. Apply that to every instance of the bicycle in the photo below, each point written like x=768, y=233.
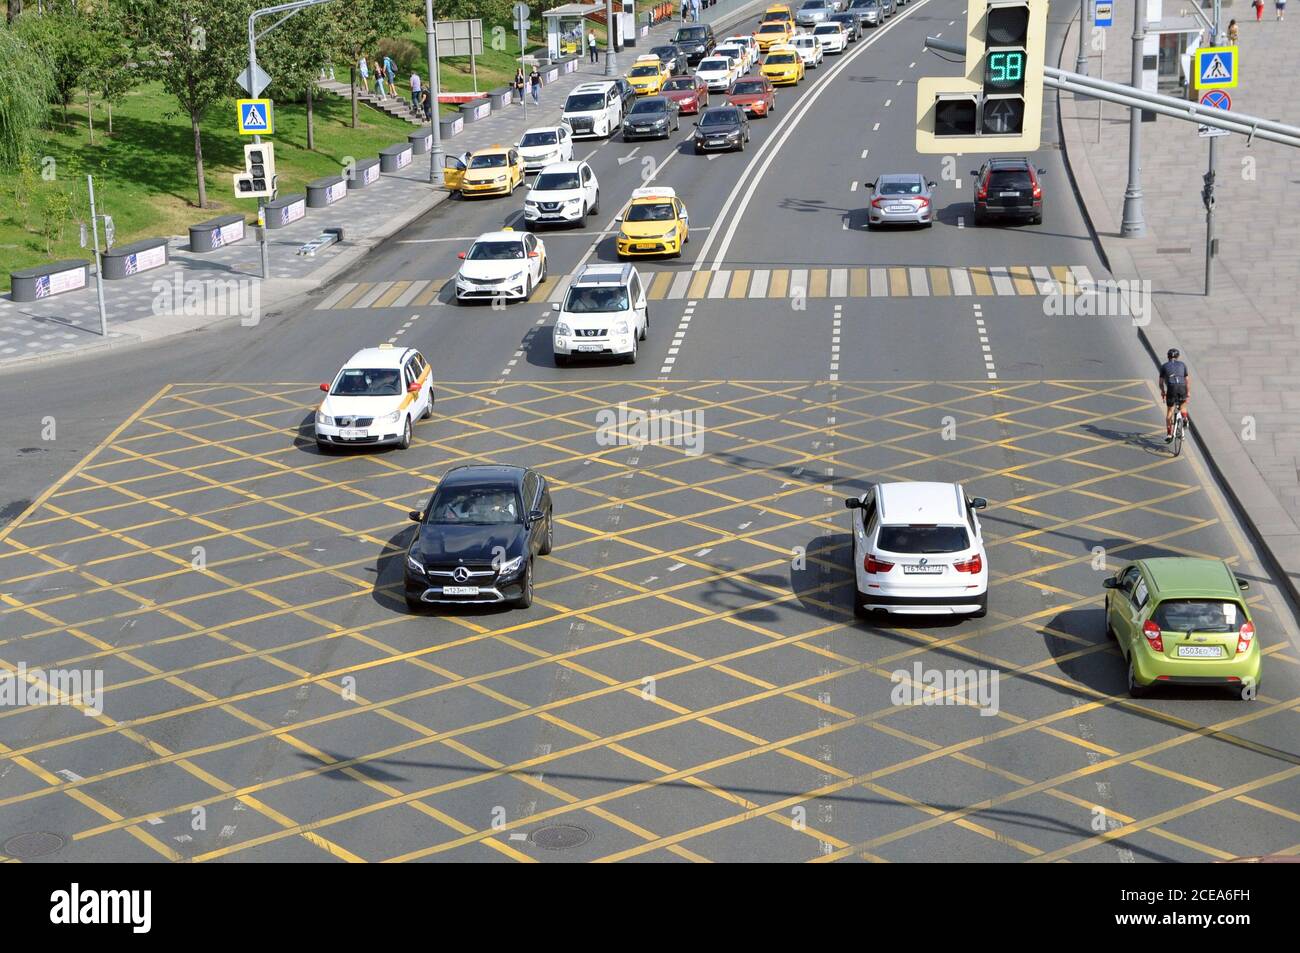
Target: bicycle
x=1180, y=429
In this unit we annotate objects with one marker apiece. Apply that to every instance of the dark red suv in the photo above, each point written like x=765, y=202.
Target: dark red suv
x=1008, y=189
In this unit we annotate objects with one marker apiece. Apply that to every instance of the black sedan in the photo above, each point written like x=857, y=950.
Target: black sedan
x=654, y=117
x=852, y=25
x=721, y=127
x=478, y=537
x=671, y=57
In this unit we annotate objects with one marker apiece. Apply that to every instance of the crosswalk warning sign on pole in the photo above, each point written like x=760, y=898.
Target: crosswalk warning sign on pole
x=255, y=117
x=1216, y=67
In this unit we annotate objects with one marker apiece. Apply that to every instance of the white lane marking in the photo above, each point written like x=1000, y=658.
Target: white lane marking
x=864, y=153
x=990, y=367
x=875, y=127
x=961, y=221
x=835, y=343
x=747, y=182
x=888, y=103
x=899, y=83
x=957, y=183
x=911, y=65
x=629, y=157
x=854, y=186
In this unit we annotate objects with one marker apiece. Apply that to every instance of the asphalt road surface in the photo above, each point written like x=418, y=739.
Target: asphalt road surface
x=691, y=683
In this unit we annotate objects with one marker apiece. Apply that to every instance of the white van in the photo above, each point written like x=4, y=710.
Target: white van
x=594, y=110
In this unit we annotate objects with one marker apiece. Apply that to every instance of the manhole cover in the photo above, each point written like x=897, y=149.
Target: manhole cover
x=560, y=837
x=35, y=844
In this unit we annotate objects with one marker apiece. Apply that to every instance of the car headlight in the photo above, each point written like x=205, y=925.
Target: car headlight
x=529, y=203
x=322, y=418
x=510, y=566
x=390, y=418
x=574, y=202
x=499, y=178
x=620, y=327
x=562, y=330
x=670, y=234
x=516, y=276
x=661, y=122
x=414, y=564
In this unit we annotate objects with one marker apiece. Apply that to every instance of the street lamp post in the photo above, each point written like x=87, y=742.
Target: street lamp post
x=1133, y=225
x=1081, y=64
x=609, y=39
x=431, y=39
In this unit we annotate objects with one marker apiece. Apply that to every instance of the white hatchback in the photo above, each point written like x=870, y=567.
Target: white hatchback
x=375, y=398
x=604, y=314
x=501, y=265
x=918, y=549
x=544, y=145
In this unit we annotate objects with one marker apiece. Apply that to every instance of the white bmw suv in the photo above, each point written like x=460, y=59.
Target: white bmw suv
x=604, y=315
x=918, y=549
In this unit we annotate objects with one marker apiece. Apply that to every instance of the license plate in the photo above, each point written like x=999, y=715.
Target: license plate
x=900, y=208
x=646, y=246
x=590, y=347
x=352, y=434
x=460, y=590
x=1200, y=651
x=1009, y=195
x=715, y=142
x=921, y=570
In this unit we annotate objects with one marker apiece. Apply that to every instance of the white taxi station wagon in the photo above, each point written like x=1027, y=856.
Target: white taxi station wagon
x=375, y=399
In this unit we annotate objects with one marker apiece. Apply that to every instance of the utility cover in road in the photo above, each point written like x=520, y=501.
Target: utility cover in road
x=1216, y=67
x=255, y=117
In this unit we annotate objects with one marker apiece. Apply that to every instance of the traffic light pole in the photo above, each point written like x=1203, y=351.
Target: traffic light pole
x=1133, y=225
x=431, y=40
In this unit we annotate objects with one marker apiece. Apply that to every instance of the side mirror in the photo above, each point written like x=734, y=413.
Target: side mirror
x=325, y=388
x=1243, y=584
x=414, y=516
x=974, y=172
x=978, y=503
x=1110, y=582
x=536, y=254
x=535, y=515
x=932, y=185
x=853, y=503
x=1042, y=172
x=460, y=255
x=413, y=389
x=869, y=185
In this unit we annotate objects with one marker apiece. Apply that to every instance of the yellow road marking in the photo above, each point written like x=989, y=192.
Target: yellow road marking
x=858, y=282
x=739, y=284
x=699, y=284
x=778, y=285
x=430, y=293
x=940, y=283
x=817, y=283
x=660, y=285
x=391, y=295
x=898, y=282
x=981, y=282
x=1022, y=280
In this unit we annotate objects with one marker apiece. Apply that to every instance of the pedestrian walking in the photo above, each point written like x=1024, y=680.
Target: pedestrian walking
x=1233, y=32
x=592, y=53
x=535, y=86
x=1281, y=10
x=519, y=84
x=1259, y=10
x=379, y=78
x=426, y=104
x=416, y=104
x=364, y=69
x=390, y=68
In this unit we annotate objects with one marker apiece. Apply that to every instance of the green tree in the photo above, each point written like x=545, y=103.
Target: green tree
x=196, y=48
x=15, y=8
x=297, y=51
x=61, y=38
x=25, y=91
x=112, y=73
x=359, y=26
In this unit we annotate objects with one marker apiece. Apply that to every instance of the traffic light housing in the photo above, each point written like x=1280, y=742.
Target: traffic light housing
x=258, y=178
x=997, y=105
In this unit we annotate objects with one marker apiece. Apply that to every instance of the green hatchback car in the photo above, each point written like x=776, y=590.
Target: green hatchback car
x=1180, y=620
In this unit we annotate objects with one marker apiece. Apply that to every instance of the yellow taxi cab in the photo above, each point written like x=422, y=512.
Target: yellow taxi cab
x=779, y=11
x=655, y=222
x=496, y=170
x=772, y=32
x=648, y=75
x=783, y=65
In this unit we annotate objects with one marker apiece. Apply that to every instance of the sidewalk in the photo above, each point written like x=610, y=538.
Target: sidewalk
x=1241, y=342
x=68, y=324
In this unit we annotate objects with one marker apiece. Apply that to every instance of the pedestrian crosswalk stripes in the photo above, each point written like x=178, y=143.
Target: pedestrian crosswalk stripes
x=898, y=281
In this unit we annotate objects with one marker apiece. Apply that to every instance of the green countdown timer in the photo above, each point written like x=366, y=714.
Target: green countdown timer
x=1005, y=69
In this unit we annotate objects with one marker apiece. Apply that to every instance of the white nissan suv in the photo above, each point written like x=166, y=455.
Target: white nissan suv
x=604, y=315
x=918, y=550
x=564, y=193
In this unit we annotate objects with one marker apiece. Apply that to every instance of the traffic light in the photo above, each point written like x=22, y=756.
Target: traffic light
x=997, y=105
x=258, y=177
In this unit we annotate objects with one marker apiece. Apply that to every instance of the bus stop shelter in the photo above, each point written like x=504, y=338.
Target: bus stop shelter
x=566, y=32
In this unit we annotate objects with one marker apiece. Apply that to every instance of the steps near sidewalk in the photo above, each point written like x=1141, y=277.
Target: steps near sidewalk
x=395, y=106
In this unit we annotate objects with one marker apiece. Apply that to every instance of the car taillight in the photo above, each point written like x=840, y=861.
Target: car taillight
x=973, y=565
x=877, y=203
x=1038, y=191
x=923, y=203
x=1244, y=637
x=1152, y=633
x=983, y=191
x=873, y=565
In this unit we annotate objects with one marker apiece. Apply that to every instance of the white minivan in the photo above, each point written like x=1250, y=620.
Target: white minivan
x=604, y=314
x=593, y=110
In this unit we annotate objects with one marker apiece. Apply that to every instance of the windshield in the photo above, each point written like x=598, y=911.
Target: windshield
x=1010, y=179
x=648, y=106
x=747, y=89
x=723, y=117
x=689, y=34
x=368, y=382
x=555, y=181
x=814, y=5
x=922, y=540
x=596, y=300
x=827, y=28
x=772, y=28
x=494, y=161
x=584, y=103
x=644, y=71
x=475, y=504
x=863, y=4
x=776, y=59
x=495, y=251
x=1198, y=615
x=664, y=52
x=659, y=212
x=719, y=65
x=731, y=52
x=686, y=84
x=900, y=188
x=538, y=139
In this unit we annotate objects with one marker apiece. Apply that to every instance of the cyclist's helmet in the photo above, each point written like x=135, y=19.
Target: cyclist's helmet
x=1172, y=354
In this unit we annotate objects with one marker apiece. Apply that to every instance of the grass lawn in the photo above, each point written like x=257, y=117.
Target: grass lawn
x=144, y=174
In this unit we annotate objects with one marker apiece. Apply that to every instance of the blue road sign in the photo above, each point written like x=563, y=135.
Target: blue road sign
x=255, y=117
x=1103, y=13
x=1216, y=67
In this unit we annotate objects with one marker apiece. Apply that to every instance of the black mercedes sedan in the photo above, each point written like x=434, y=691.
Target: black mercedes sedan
x=721, y=127
x=478, y=537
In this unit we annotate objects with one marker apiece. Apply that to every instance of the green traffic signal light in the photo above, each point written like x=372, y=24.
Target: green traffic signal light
x=1004, y=70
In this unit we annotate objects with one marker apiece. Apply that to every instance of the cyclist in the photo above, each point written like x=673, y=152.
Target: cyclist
x=1175, y=388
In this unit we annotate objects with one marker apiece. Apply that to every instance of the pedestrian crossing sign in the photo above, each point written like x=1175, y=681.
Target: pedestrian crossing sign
x=1216, y=67
x=255, y=117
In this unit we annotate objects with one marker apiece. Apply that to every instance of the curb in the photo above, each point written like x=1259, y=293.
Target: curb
x=1248, y=492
